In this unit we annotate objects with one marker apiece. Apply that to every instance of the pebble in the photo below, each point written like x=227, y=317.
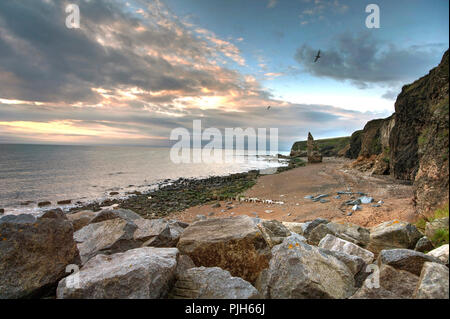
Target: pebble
x=337, y=197
x=366, y=200
x=376, y=205
x=356, y=207
x=349, y=214
x=268, y=211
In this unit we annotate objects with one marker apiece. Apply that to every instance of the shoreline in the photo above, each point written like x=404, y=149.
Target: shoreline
x=118, y=195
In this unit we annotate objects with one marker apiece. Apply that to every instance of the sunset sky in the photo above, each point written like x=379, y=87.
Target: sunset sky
x=136, y=69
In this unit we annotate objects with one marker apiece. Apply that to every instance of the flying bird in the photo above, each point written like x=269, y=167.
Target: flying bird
x=268, y=107
x=317, y=56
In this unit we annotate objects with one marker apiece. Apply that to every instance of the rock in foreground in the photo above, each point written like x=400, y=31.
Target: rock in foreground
x=140, y=273
x=300, y=271
x=233, y=244
x=433, y=282
x=34, y=253
x=212, y=283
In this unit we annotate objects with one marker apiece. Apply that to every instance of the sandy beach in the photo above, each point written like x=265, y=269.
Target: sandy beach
x=329, y=177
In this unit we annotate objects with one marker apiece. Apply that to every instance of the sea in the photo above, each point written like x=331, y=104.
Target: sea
x=84, y=174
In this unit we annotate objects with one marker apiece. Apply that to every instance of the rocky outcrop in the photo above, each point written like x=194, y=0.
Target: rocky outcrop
x=300, y=271
x=412, y=144
x=34, y=253
x=374, y=153
x=419, y=139
x=354, y=145
x=211, y=283
x=233, y=244
x=433, y=282
x=140, y=273
x=314, y=155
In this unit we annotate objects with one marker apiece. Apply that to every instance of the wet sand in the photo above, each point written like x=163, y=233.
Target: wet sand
x=329, y=177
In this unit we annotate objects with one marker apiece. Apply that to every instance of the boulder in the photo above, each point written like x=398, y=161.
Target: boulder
x=34, y=253
x=43, y=204
x=309, y=226
x=354, y=263
x=294, y=227
x=81, y=219
x=141, y=273
x=405, y=259
x=441, y=253
x=433, y=282
x=333, y=243
x=318, y=233
x=393, y=234
x=273, y=231
x=300, y=271
x=392, y=284
x=233, y=244
x=124, y=232
x=106, y=237
x=211, y=283
x=184, y=263
x=351, y=232
x=424, y=245
x=435, y=225
x=109, y=214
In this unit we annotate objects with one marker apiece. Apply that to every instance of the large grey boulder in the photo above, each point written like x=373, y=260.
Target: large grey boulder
x=34, y=253
x=141, y=273
x=347, y=231
x=298, y=270
x=393, y=234
x=233, y=244
x=331, y=242
x=211, y=283
x=433, y=282
x=273, y=231
x=440, y=253
x=405, y=259
x=435, y=225
x=124, y=232
x=388, y=283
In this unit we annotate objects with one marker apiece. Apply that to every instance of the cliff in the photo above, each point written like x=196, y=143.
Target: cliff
x=412, y=144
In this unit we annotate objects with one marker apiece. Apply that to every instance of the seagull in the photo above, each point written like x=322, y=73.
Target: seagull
x=317, y=56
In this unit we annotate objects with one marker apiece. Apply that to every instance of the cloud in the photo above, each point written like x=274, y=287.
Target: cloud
x=91, y=125
x=140, y=54
x=391, y=95
x=272, y=3
x=318, y=10
x=363, y=60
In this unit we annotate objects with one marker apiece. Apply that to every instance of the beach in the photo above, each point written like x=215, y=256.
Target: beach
x=332, y=176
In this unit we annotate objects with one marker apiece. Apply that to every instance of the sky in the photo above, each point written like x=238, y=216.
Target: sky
x=137, y=69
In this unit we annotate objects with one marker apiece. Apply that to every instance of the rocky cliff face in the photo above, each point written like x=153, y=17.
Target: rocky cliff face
x=412, y=144
x=419, y=138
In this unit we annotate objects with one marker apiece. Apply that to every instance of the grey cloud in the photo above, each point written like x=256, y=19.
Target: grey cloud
x=44, y=61
x=363, y=60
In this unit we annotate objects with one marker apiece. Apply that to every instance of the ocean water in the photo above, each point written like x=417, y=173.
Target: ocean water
x=87, y=173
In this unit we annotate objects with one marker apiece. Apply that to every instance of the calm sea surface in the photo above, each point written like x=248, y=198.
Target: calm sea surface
x=86, y=173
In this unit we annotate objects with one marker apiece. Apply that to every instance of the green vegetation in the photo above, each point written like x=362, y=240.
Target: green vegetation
x=441, y=236
x=328, y=146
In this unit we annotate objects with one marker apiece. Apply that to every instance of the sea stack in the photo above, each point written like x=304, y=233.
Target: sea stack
x=314, y=155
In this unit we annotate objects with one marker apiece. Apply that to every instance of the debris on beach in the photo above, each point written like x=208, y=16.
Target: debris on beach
x=356, y=207
x=366, y=200
x=268, y=211
x=376, y=205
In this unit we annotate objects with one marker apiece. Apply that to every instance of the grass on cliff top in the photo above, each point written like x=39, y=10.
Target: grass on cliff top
x=441, y=237
x=327, y=144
